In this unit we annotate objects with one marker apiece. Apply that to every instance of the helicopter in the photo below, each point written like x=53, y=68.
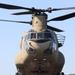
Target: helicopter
x=39, y=54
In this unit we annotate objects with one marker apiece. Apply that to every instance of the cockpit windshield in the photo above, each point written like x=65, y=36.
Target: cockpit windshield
x=40, y=35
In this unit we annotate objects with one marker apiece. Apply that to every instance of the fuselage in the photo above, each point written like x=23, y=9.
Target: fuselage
x=39, y=53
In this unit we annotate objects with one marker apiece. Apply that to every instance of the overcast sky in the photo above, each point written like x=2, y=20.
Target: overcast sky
x=11, y=33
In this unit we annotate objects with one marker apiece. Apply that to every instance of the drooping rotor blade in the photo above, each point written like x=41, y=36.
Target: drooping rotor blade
x=22, y=13
x=8, y=6
x=64, y=17
x=54, y=29
x=15, y=21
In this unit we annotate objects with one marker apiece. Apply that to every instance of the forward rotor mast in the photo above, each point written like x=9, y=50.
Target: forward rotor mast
x=39, y=22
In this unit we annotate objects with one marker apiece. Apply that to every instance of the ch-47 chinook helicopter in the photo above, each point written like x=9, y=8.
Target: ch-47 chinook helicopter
x=40, y=45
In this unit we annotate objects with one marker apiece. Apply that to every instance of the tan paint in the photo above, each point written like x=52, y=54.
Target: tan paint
x=39, y=23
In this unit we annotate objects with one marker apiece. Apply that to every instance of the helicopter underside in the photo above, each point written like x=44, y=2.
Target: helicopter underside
x=42, y=66
x=43, y=69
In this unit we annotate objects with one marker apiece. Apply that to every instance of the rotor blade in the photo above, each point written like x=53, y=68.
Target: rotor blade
x=68, y=8
x=54, y=29
x=22, y=13
x=15, y=21
x=7, y=6
x=64, y=17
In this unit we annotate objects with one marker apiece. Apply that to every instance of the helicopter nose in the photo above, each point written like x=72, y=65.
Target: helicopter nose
x=39, y=44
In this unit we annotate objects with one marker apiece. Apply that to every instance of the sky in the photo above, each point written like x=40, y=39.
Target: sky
x=11, y=33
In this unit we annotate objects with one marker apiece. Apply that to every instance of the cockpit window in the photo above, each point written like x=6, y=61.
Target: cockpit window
x=31, y=36
x=47, y=35
x=39, y=35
